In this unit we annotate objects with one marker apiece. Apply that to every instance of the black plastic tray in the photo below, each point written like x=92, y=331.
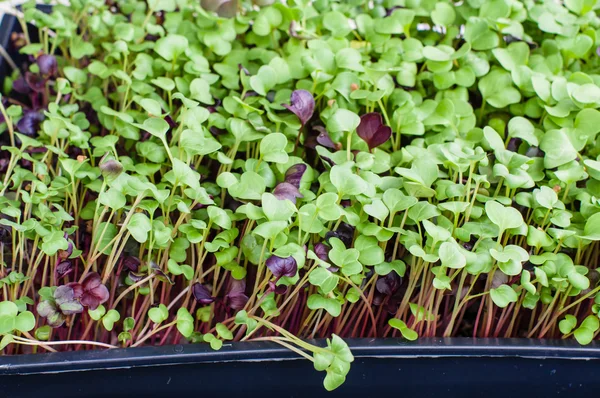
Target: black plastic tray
x=383, y=367
x=8, y=25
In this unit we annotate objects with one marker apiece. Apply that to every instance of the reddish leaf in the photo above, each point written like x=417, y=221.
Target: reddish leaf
x=282, y=266
x=302, y=104
x=202, y=294
x=294, y=174
x=372, y=130
x=287, y=191
x=94, y=292
x=47, y=64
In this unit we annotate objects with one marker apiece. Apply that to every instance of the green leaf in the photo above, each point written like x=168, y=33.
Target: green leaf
x=276, y=209
x=333, y=380
x=219, y=216
x=151, y=106
x=272, y=148
x=558, y=148
x=396, y=201
x=171, y=46
x=516, y=54
x=497, y=89
x=264, y=81
x=584, y=334
x=185, y=322
x=567, y=324
x=270, y=229
x=420, y=313
x=25, y=322
x=377, y=209
x=156, y=126
x=591, y=230
x=98, y=313
x=200, y=91
x=139, y=226
x=331, y=305
x=422, y=211
x=8, y=308
x=519, y=127
x=504, y=217
x=587, y=94
x=370, y=251
x=109, y=320
x=343, y=120
x=158, y=314
x=451, y=256
x=443, y=14
x=503, y=295
x=407, y=333
x=577, y=280
x=323, y=278
x=224, y=332
x=54, y=242
x=198, y=142
x=75, y=76
x=329, y=209
x=397, y=266
x=439, y=234
x=347, y=182
x=6, y=340
x=113, y=199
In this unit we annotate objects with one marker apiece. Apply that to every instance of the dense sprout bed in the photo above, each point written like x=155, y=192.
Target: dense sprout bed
x=178, y=172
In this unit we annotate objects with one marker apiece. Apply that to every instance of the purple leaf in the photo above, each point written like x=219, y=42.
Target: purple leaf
x=302, y=104
x=21, y=86
x=36, y=82
x=223, y=8
x=136, y=277
x=277, y=289
x=513, y=144
x=294, y=174
x=287, y=191
x=160, y=274
x=94, y=292
x=372, y=130
x=324, y=139
x=63, y=269
x=344, y=232
x=132, y=263
x=111, y=168
x=293, y=33
x=388, y=284
x=322, y=251
x=236, y=298
x=65, y=254
x=29, y=124
x=66, y=298
x=47, y=64
x=202, y=294
x=281, y=266
x=46, y=308
x=49, y=310
x=243, y=69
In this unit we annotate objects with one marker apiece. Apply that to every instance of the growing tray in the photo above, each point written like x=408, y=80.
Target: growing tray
x=382, y=367
x=9, y=25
